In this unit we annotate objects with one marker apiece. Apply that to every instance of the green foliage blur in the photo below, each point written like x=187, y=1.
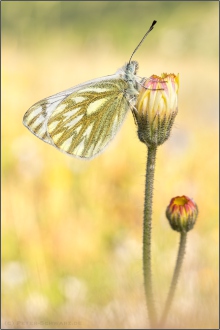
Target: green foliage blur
x=72, y=229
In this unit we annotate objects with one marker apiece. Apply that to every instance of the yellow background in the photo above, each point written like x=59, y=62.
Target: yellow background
x=72, y=229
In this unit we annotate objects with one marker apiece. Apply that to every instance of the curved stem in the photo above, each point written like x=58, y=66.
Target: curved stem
x=179, y=261
x=150, y=169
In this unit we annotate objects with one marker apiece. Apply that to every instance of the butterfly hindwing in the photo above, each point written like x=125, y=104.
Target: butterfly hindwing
x=36, y=118
x=81, y=120
x=87, y=120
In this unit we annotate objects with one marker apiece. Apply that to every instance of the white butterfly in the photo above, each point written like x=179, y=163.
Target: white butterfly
x=82, y=120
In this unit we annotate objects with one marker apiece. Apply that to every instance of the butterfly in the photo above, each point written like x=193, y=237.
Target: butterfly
x=82, y=120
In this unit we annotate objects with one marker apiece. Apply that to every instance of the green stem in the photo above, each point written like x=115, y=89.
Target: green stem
x=179, y=261
x=150, y=169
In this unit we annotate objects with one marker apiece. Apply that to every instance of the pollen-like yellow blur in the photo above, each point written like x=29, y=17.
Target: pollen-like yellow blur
x=72, y=229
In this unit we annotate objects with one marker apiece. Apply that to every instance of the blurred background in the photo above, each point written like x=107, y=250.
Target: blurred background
x=72, y=229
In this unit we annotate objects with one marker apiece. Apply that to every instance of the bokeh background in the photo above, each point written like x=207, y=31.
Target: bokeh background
x=72, y=229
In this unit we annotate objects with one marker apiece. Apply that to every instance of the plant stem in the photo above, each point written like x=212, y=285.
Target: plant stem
x=150, y=169
x=179, y=261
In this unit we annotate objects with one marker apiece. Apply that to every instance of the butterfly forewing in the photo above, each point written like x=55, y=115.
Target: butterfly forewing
x=86, y=121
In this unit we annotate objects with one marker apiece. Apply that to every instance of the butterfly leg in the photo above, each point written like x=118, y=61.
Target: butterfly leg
x=133, y=109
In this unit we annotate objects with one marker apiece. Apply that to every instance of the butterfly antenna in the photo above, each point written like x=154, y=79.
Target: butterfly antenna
x=151, y=28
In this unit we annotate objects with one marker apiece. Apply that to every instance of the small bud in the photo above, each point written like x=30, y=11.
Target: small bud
x=157, y=108
x=182, y=213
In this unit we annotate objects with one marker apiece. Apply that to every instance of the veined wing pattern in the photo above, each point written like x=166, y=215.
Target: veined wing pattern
x=81, y=121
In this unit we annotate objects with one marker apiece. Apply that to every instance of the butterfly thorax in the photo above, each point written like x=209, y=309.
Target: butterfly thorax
x=128, y=73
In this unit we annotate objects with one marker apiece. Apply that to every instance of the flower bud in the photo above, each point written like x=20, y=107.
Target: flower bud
x=157, y=108
x=182, y=213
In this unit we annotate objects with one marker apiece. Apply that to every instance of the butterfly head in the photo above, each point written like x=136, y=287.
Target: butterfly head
x=132, y=67
x=128, y=70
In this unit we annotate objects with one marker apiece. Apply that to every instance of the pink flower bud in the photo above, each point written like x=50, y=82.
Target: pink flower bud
x=182, y=213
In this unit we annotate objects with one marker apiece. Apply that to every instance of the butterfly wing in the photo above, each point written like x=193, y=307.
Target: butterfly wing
x=81, y=121
x=35, y=119
x=87, y=120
